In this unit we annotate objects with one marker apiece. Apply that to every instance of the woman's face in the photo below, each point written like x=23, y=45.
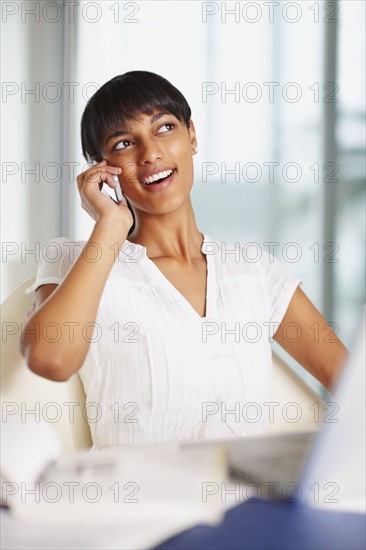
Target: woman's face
x=153, y=146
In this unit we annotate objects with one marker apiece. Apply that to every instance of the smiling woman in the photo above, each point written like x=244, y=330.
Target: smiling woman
x=140, y=113
x=182, y=326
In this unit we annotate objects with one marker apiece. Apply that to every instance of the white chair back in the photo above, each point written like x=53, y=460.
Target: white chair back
x=296, y=407
x=23, y=393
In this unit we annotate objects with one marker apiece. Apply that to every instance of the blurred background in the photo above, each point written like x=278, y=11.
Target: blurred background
x=277, y=91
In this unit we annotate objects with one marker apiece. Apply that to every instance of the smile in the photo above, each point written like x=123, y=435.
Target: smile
x=158, y=181
x=161, y=175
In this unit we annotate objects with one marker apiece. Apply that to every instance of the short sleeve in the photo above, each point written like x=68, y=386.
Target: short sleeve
x=279, y=285
x=56, y=259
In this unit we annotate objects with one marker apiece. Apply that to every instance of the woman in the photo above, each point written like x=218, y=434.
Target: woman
x=168, y=330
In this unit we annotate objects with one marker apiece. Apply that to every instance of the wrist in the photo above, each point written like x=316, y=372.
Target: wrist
x=118, y=227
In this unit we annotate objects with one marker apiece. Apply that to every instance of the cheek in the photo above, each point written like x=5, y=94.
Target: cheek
x=129, y=168
x=129, y=172
x=182, y=154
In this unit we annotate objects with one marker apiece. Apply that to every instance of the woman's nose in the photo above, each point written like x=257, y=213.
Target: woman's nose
x=150, y=152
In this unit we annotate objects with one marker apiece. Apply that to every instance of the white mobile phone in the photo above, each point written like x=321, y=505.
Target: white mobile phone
x=118, y=189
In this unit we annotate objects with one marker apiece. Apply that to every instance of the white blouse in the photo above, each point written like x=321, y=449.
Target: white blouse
x=156, y=372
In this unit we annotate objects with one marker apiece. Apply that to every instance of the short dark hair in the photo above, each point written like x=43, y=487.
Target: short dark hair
x=126, y=97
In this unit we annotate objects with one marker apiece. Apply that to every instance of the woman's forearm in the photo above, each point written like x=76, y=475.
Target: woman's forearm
x=55, y=340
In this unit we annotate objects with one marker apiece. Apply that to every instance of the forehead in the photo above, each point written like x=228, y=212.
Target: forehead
x=143, y=119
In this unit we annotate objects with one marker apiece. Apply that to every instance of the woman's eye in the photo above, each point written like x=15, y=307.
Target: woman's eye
x=122, y=144
x=168, y=125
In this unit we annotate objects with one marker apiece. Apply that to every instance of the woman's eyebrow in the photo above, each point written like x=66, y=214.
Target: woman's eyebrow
x=119, y=133
x=158, y=115
x=153, y=118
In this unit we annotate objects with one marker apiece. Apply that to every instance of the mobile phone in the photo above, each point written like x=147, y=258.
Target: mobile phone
x=118, y=189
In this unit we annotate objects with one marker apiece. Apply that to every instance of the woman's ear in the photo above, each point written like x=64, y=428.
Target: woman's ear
x=192, y=137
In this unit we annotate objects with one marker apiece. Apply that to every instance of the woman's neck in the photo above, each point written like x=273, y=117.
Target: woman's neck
x=173, y=235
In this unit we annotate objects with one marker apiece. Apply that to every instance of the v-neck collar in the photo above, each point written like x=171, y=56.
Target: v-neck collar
x=210, y=307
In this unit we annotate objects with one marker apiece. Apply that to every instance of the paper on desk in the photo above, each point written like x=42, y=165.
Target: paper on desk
x=144, y=494
x=17, y=534
x=27, y=448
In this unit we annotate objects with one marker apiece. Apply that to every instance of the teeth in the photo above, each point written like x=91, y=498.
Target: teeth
x=156, y=177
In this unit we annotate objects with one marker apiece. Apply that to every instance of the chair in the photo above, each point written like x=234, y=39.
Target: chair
x=299, y=407
x=22, y=390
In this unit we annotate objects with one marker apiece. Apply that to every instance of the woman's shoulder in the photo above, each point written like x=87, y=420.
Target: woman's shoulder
x=239, y=258
x=56, y=257
x=64, y=240
x=63, y=244
x=236, y=252
x=61, y=250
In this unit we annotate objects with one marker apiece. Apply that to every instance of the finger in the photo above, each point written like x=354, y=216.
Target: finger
x=99, y=169
x=83, y=177
x=99, y=174
x=110, y=181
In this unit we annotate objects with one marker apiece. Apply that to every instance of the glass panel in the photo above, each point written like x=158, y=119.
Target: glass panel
x=350, y=189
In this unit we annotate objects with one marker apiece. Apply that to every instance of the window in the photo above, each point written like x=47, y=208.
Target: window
x=267, y=120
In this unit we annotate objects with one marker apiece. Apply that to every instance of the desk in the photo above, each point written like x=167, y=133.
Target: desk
x=276, y=526
x=252, y=525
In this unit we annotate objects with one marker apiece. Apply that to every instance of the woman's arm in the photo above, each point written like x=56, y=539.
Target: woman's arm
x=74, y=303
x=306, y=336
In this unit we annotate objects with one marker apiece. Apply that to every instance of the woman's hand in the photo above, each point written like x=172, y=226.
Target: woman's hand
x=96, y=203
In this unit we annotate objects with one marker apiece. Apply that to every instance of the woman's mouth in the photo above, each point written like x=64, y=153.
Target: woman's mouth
x=158, y=181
